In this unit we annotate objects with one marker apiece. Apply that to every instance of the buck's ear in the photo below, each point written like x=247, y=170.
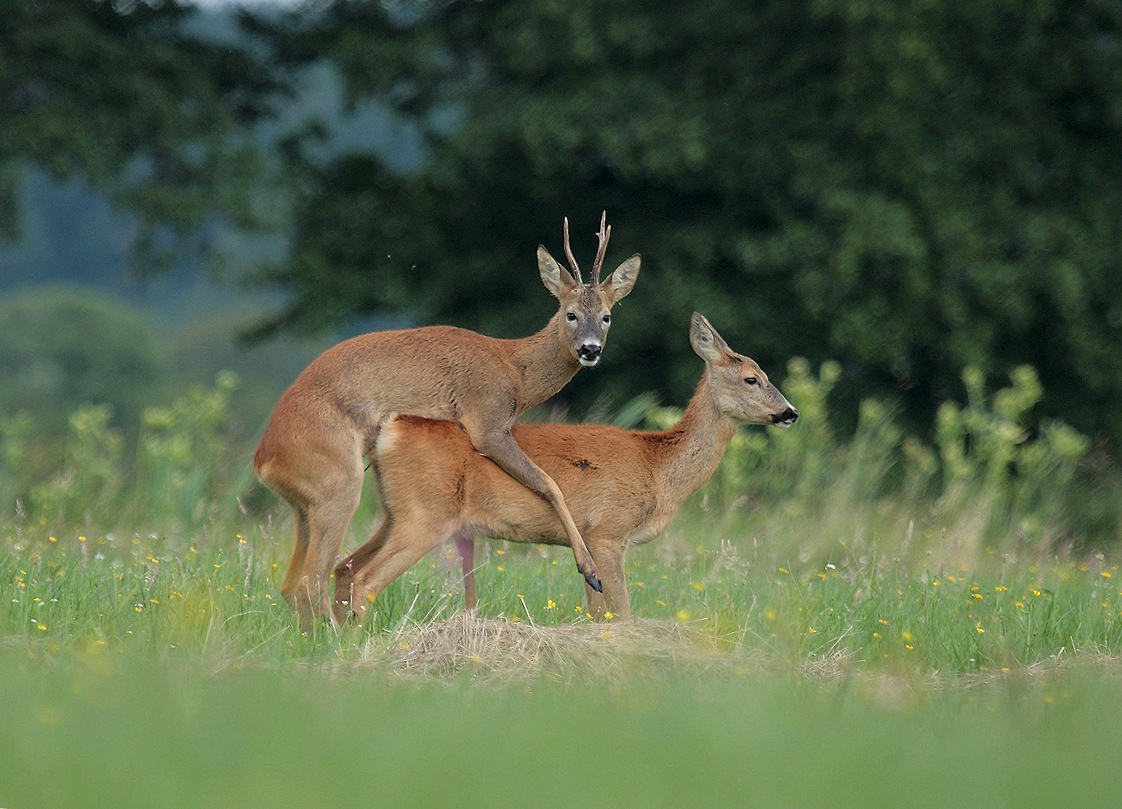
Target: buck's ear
x=622, y=280
x=706, y=343
x=555, y=277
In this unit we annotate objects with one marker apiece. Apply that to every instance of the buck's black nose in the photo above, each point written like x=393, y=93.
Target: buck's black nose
x=589, y=352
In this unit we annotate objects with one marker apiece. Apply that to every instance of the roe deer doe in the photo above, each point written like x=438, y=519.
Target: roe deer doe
x=325, y=423
x=623, y=487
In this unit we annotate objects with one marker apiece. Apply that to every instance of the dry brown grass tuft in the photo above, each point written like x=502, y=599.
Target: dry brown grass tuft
x=606, y=654
x=506, y=650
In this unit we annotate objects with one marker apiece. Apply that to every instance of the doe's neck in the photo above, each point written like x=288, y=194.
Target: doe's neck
x=690, y=451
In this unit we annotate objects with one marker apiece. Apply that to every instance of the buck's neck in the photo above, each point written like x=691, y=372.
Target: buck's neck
x=546, y=365
x=690, y=451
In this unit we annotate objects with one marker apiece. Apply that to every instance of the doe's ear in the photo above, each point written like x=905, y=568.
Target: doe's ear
x=555, y=277
x=705, y=341
x=622, y=280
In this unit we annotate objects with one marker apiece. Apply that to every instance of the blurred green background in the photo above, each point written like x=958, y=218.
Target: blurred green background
x=907, y=212
x=910, y=189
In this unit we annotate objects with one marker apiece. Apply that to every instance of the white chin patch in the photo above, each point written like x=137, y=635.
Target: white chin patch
x=589, y=363
x=783, y=425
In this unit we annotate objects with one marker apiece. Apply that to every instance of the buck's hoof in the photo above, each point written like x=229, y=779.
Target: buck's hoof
x=593, y=581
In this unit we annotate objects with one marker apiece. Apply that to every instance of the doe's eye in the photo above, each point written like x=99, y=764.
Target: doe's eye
x=751, y=380
x=571, y=317
x=607, y=319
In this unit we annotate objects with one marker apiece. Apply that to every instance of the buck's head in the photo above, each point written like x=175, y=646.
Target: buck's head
x=740, y=387
x=586, y=309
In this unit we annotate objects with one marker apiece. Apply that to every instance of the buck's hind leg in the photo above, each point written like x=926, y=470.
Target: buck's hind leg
x=311, y=457
x=299, y=552
x=328, y=520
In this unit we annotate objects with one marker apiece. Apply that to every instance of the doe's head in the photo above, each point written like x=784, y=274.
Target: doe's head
x=740, y=387
x=586, y=309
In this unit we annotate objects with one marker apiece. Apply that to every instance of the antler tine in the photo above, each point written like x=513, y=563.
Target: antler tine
x=602, y=237
x=569, y=252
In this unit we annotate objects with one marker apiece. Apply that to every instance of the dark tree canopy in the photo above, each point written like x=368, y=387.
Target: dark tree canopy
x=132, y=99
x=908, y=187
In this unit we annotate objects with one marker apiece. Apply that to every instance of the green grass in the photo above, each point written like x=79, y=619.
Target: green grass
x=106, y=729
x=874, y=622
x=164, y=671
x=216, y=595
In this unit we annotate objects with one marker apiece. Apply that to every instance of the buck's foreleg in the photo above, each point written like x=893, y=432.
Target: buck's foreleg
x=504, y=450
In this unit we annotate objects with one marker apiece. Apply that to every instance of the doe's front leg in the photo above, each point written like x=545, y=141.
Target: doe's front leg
x=613, y=603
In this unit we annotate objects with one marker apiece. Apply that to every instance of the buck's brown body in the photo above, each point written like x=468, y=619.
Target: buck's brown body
x=622, y=487
x=312, y=450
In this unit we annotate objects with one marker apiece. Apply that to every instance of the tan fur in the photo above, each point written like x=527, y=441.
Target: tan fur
x=622, y=487
x=313, y=447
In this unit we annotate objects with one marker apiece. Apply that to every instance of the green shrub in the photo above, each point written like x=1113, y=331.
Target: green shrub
x=988, y=479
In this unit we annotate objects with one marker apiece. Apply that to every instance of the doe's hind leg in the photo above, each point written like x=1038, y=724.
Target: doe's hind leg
x=406, y=541
x=345, y=606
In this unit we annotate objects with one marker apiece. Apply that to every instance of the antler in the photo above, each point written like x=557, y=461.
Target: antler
x=569, y=252
x=602, y=237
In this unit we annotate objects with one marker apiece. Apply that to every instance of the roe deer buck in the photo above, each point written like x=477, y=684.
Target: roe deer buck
x=312, y=449
x=623, y=487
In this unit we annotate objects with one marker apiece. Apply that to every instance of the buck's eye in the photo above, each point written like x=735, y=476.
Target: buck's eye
x=751, y=380
x=607, y=319
x=571, y=317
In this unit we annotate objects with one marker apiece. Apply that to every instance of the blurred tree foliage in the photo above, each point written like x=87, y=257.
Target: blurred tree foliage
x=126, y=96
x=910, y=187
x=64, y=347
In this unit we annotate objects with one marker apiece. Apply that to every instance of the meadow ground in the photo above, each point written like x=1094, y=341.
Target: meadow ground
x=153, y=671
x=860, y=623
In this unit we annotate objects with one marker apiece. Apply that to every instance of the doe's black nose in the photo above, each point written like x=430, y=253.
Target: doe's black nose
x=786, y=418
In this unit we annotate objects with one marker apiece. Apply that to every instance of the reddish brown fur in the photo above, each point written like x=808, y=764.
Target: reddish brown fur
x=313, y=447
x=622, y=487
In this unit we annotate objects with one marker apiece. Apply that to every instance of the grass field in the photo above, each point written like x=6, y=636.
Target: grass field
x=149, y=671
x=864, y=623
